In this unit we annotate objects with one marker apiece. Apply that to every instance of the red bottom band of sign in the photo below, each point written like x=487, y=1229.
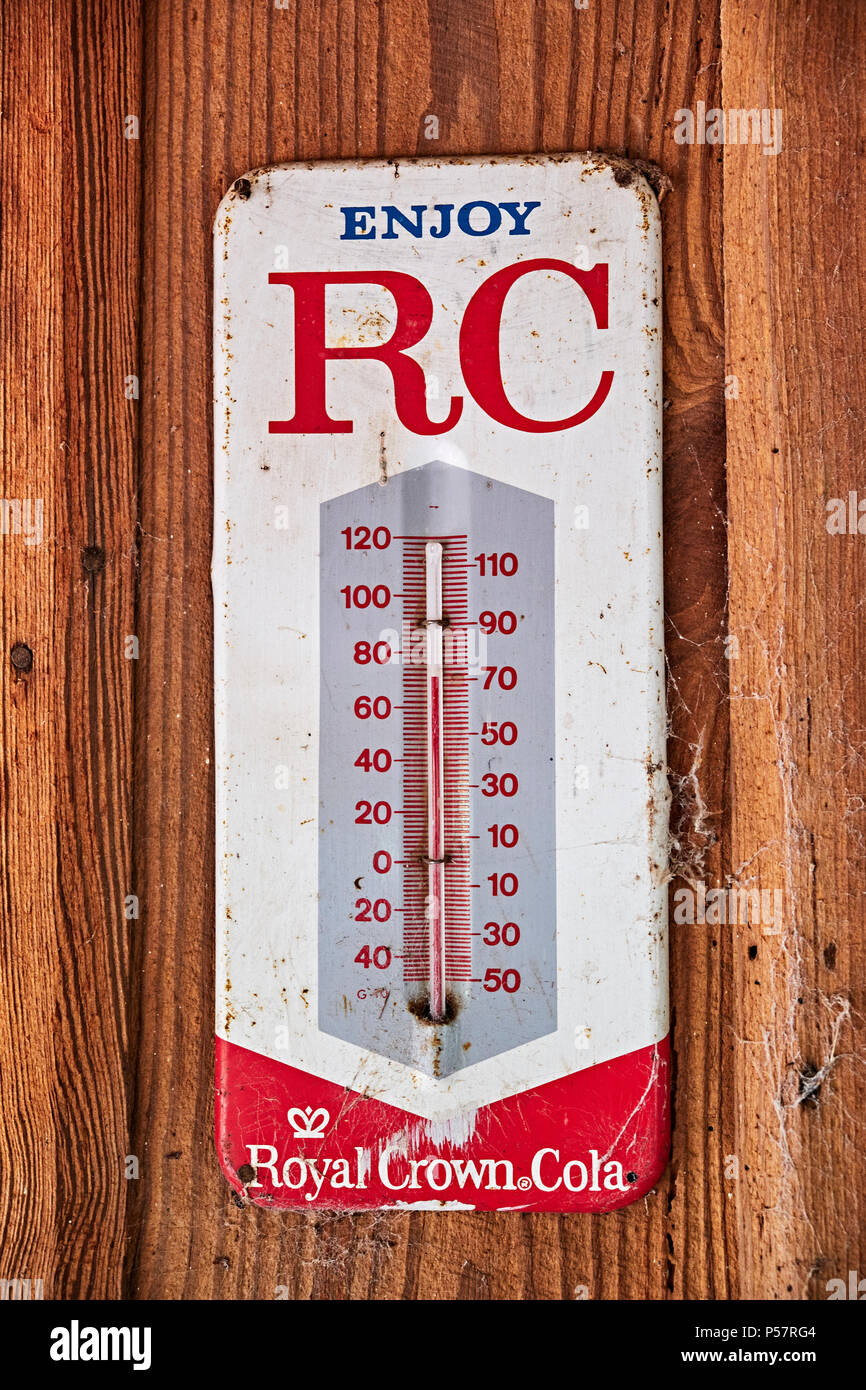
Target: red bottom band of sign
x=591, y=1141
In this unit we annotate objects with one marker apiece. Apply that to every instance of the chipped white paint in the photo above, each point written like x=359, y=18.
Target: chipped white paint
x=601, y=481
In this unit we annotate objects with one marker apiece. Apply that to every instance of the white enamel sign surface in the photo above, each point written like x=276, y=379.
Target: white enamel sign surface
x=437, y=586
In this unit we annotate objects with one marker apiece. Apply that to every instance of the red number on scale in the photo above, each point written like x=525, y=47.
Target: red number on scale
x=507, y=935
x=504, y=884
x=359, y=537
x=382, y=861
x=503, y=835
x=379, y=708
x=505, y=564
x=368, y=813
x=379, y=956
x=505, y=676
x=361, y=596
x=494, y=732
x=495, y=979
x=502, y=622
x=379, y=761
x=379, y=652
x=381, y=909
x=506, y=785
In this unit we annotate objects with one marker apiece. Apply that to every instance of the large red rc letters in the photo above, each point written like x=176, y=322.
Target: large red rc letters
x=479, y=348
x=414, y=315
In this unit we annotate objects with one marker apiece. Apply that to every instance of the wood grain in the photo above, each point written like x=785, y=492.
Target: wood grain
x=230, y=87
x=795, y=258
x=69, y=301
x=107, y=780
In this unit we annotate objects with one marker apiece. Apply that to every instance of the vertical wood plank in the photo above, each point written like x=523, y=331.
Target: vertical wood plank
x=795, y=258
x=228, y=88
x=70, y=285
x=30, y=266
x=94, y=604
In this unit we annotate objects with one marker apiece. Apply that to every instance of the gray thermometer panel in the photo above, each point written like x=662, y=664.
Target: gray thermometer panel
x=494, y=794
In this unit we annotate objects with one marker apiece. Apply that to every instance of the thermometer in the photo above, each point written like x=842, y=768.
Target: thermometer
x=437, y=768
x=434, y=773
x=439, y=677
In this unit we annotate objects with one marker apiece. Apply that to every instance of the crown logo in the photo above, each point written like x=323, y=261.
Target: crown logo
x=308, y=1123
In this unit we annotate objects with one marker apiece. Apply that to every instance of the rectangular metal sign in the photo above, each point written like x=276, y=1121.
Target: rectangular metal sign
x=440, y=720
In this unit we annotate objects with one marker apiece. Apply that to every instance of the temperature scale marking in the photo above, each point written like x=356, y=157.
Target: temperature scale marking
x=437, y=868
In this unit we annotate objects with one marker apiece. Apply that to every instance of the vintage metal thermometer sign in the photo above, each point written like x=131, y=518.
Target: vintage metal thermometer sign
x=440, y=726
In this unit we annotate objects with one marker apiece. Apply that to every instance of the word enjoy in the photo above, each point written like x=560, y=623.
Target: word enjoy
x=360, y=222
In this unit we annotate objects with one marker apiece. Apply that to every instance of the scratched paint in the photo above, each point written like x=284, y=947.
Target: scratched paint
x=466, y=354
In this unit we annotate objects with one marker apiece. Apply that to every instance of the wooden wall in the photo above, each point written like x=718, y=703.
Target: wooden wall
x=107, y=785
